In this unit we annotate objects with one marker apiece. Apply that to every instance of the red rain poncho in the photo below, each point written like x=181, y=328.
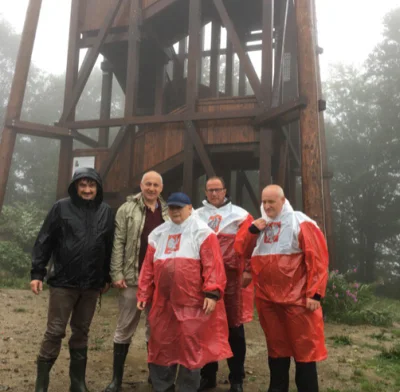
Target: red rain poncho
x=289, y=264
x=226, y=221
x=182, y=263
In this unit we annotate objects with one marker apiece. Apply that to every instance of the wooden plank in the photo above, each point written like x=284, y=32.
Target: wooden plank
x=167, y=118
x=113, y=152
x=311, y=163
x=64, y=167
x=132, y=72
x=105, y=104
x=17, y=92
x=276, y=113
x=89, y=61
x=156, y=8
x=35, y=129
x=243, y=56
x=214, y=58
x=200, y=149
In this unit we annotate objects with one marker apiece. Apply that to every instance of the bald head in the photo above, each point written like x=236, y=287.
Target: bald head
x=152, y=174
x=151, y=187
x=273, y=199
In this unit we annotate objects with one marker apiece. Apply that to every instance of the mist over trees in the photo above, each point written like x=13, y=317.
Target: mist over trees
x=362, y=129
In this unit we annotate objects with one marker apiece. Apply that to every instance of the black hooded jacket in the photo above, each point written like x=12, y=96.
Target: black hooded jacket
x=79, y=235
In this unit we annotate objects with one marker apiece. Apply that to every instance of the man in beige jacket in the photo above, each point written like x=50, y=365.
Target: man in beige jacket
x=134, y=221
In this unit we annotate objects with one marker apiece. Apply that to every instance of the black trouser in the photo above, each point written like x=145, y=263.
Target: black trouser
x=237, y=342
x=306, y=375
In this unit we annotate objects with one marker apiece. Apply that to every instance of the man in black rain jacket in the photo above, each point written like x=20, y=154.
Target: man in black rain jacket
x=78, y=234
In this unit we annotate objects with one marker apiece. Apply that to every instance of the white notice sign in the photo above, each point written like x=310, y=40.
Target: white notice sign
x=82, y=162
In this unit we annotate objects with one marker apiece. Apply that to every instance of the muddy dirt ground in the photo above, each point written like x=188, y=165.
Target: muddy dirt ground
x=23, y=320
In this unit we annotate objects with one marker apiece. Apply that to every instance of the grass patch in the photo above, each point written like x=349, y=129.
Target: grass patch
x=389, y=305
x=381, y=336
x=97, y=344
x=14, y=283
x=376, y=347
x=19, y=310
x=392, y=354
x=341, y=340
x=396, y=333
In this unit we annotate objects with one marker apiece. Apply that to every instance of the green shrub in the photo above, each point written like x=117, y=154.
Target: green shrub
x=14, y=262
x=347, y=301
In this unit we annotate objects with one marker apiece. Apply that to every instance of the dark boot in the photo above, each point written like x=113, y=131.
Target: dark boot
x=208, y=376
x=148, y=366
x=43, y=374
x=279, y=374
x=120, y=353
x=77, y=369
x=236, y=388
x=306, y=377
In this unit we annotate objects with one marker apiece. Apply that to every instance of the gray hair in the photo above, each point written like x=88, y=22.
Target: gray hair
x=152, y=172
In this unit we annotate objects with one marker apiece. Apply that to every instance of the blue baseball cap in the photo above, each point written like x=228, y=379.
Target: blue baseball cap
x=179, y=199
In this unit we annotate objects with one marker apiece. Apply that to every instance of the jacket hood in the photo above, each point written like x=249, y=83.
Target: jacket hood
x=287, y=207
x=86, y=172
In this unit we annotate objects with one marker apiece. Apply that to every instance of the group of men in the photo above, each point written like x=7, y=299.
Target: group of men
x=193, y=273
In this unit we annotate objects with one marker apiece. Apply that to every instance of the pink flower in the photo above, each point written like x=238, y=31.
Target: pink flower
x=355, y=299
x=337, y=295
x=334, y=287
x=355, y=270
x=336, y=271
x=356, y=285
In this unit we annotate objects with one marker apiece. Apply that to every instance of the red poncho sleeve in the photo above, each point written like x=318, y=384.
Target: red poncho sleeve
x=213, y=271
x=245, y=241
x=313, y=244
x=146, y=277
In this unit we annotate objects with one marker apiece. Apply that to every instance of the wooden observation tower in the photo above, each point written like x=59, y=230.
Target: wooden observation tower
x=211, y=87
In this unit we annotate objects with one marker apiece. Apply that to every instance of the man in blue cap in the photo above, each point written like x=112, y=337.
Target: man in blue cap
x=183, y=276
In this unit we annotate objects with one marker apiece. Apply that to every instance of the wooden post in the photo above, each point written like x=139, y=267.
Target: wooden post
x=65, y=157
x=309, y=117
x=328, y=213
x=192, y=88
x=17, y=93
x=214, y=59
x=132, y=73
x=229, y=68
x=266, y=86
x=105, y=105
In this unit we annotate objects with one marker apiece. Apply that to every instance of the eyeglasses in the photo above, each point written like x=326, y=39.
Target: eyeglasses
x=218, y=190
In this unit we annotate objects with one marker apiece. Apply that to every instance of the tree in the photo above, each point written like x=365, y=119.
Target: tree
x=363, y=139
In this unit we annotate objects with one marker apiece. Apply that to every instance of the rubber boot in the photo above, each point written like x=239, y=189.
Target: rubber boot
x=306, y=377
x=120, y=353
x=43, y=374
x=279, y=374
x=77, y=369
x=208, y=376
